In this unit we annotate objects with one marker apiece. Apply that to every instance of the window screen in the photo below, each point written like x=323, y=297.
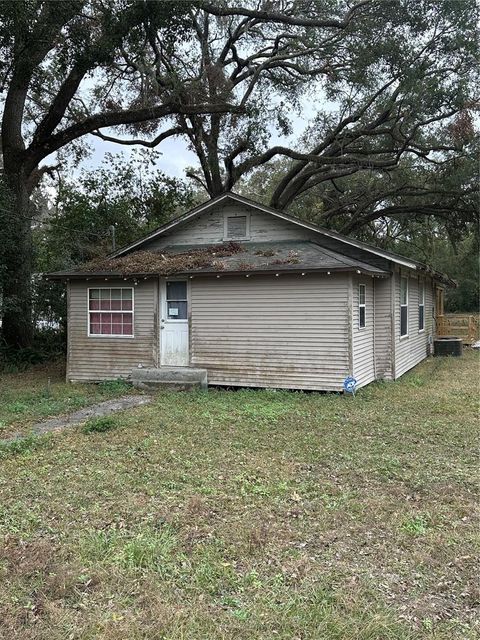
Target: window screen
x=236, y=227
x=177, y=300
x=110, y=312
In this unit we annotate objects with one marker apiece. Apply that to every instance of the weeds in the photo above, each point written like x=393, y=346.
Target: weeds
x=23, y=445
x=99, y=425
x=416, y=525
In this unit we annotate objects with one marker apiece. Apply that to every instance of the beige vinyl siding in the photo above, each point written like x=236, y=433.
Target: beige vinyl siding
x=362, y=339
x=411, y=349
x=103, y=358
x=266, y=331
x=209, y=229
x=383, y=328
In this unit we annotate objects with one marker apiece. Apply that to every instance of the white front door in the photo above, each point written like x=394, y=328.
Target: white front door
x=174, y=323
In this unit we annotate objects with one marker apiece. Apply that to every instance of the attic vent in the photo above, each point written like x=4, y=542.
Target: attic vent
x=236, y=227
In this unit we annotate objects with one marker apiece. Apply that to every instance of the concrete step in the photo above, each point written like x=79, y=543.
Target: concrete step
x=172, y=378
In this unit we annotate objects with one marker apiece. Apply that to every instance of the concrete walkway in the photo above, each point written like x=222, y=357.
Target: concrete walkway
x=93, y=411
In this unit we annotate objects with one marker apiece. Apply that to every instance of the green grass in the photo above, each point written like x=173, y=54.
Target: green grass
x=250, y=514
x=41, y=392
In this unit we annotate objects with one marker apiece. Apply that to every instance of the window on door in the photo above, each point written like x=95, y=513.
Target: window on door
x=177, y=300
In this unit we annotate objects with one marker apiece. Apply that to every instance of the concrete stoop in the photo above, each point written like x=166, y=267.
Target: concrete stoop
x=172, y=378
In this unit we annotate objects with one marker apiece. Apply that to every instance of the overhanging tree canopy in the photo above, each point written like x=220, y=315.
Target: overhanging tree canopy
x=390, y=81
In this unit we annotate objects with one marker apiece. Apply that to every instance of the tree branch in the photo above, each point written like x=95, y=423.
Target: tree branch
x=283, y=18
x=111, y=119
x=174, y=131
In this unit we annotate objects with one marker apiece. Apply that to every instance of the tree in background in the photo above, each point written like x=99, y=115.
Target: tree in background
x=121, y=199
x=63, y=76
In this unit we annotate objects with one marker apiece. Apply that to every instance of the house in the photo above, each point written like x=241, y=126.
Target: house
x=256, y=298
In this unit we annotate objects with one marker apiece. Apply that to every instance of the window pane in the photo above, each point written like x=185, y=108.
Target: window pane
x=94, y=327
x=126, y=294
x=421, y=293
x=127, y=329
x=403, y=321
x=421, y=317
x=362, y=317
x=403, y=290
x=177, y=290
x=106, y=328
x=94, y=305
x=361, y=294
x=116, y=294
x=104, y=294
x=105, y=305
x=94, y=294
x=126, y=305
x=177, y=309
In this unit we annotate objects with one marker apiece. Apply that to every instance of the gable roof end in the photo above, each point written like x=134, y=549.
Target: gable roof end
x=229, y=195
x=198, y=210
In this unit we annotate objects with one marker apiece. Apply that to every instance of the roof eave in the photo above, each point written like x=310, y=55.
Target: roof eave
x=63, y=276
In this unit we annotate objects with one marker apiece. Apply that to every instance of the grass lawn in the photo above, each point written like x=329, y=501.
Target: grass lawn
x=41, y=392
x=248, y=515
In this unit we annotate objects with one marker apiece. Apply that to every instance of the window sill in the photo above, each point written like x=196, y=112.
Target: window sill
x=421, y=331
x=404, y=337
x=99, y=335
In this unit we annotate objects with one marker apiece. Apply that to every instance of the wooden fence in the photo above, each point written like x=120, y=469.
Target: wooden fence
x=462, y=325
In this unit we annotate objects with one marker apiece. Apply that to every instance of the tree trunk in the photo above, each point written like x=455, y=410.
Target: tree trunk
x=16, y=251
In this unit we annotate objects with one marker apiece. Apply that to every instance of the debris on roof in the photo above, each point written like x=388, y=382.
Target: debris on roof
x=227, y=257
x=154, y=262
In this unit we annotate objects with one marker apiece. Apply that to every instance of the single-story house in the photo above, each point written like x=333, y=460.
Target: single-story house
x=255, y=297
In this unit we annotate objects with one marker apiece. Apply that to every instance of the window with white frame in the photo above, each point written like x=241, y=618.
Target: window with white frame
x=110, y=311
x=237, y=227
x=362, y=306
x=421, y=305
x=403, y=306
